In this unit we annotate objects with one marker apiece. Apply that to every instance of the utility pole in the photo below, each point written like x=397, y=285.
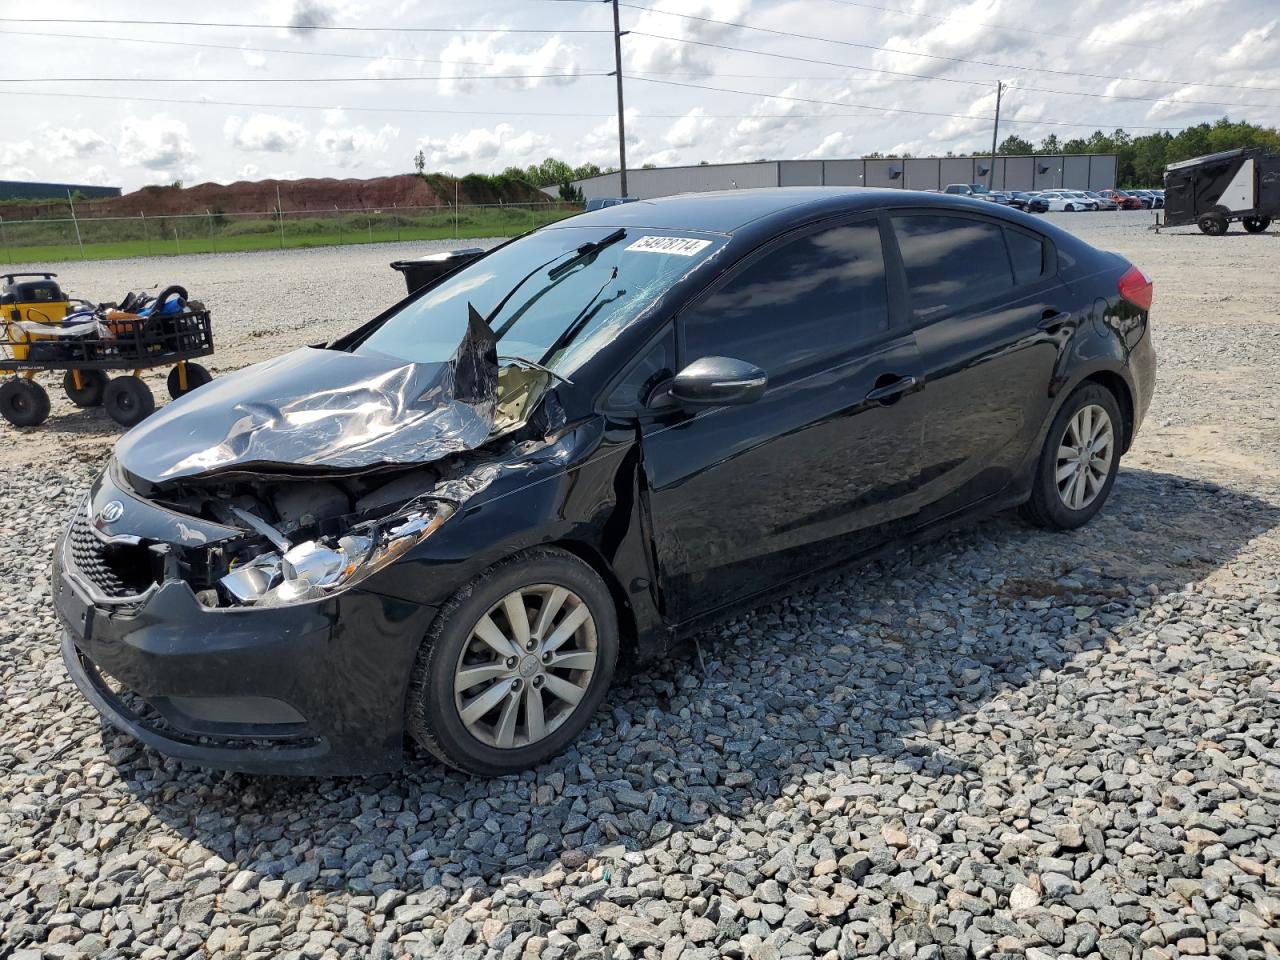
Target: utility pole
x=622, y=126
x=995, y=132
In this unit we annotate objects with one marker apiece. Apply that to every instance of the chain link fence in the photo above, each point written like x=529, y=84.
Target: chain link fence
x=75, y=238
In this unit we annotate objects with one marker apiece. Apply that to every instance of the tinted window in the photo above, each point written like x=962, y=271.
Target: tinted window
x=809, y=299
x=1027, y=254
x=951, y=261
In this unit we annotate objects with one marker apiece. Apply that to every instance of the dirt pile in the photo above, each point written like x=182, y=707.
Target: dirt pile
x=259, y=196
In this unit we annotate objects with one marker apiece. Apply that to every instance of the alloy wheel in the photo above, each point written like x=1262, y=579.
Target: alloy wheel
x=1084, y=456
x=526, y=666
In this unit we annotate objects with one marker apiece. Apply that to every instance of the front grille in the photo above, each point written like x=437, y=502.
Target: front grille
x=116, y=570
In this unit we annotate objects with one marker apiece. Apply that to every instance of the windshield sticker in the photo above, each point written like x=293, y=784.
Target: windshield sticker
x=680, y=246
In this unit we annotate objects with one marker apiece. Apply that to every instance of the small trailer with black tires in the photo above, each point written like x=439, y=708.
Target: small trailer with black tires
x=85, y=342
x=1213, y=190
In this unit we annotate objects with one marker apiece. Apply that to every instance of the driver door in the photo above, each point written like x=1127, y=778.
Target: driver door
x=743, y=498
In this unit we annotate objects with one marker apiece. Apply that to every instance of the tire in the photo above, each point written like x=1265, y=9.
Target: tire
x=434, y=710
x=93, y=384
x=1049, y=504
x=197, y=376
x=1256, y=224
x=24, y=403
x=1069, y=208
x=128, y=401
x=1212, y=224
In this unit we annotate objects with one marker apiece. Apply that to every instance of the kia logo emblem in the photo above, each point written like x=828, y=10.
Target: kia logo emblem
x=112, y=512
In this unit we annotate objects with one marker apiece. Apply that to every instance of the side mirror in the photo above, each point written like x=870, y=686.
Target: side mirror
x=718, y=381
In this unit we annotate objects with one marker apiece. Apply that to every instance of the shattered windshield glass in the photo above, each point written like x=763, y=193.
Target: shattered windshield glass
x=551, y=298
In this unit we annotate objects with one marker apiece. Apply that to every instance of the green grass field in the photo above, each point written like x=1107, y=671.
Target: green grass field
x=50, y=242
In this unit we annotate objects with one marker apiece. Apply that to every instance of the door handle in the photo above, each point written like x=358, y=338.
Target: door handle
x=1053, y=320
x=892, y=390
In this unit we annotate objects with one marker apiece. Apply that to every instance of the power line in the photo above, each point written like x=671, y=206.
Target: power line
x=243, y=49
x=361, y=79
x=826, y=115
x=290, y=26
x=1052, y=34
x=930, y=56
x=883, y=109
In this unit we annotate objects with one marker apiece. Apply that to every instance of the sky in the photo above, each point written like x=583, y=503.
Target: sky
x=270, y=96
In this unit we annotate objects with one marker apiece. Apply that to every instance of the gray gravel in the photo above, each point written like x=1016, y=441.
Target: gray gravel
x=1005, y=743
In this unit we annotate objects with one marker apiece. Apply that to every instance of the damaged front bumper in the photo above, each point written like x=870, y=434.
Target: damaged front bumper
x=314, y=689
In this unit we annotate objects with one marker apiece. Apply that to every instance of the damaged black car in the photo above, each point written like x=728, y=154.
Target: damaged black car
x=589, y=442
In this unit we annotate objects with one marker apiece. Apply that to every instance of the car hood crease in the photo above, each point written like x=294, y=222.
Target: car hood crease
x=318, y=408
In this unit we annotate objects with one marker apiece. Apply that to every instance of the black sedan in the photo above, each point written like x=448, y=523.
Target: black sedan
x=596, y=438
x=1028, y=202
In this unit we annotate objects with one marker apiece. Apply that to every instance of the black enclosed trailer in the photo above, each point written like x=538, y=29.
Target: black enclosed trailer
x=1213, y=190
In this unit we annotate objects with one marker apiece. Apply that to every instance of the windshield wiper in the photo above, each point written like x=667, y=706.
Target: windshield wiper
x=586, y=250
x=535, y=365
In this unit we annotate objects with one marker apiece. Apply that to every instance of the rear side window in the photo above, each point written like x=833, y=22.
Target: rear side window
x=805, y=301
x=1028, y=255
x=951, y=262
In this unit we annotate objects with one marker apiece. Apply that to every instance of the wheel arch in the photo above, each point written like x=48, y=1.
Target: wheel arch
x=1120, y=389
x=628, y=629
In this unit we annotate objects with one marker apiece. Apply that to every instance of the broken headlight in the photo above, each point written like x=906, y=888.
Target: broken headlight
x=318, y=568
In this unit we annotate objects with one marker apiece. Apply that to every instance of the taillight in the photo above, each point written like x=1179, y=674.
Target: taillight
x=1136, y=287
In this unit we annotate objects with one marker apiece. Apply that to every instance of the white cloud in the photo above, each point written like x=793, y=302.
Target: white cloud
x=264, y=133
x=12, y=153
x=161, y=144
x=689, y=130
x=97, y=174
x=489, y=55
x=18, y=173
x=354, y=146
x=835, y=144
x=645, y=54
x=66, y=143
x=247, y=172
x=252, y=58
x=485, y=148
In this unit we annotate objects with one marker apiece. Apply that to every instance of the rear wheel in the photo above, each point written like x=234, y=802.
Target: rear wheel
x=515, y=664
x=1213, y=224
x=1078, y=464
x=1070, y=208
x=197, y=376
x=1256, y=224
x=24, y=403
x=93, y=384
x=128, y=401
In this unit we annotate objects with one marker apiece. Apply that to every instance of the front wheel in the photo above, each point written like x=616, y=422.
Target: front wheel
x=1078, y=464
x=515, y=664
x=128, y=401
x=1070, y=208
x=1212, y=224
x=24, y=403
x=1256, y=224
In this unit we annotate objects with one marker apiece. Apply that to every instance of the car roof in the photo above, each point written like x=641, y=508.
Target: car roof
x=730, y=211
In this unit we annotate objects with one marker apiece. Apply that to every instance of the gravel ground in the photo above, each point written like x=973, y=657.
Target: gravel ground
x=1005, y=743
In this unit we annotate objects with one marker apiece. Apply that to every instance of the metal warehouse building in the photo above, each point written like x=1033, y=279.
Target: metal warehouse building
x=1085, y=171
x=26, y=190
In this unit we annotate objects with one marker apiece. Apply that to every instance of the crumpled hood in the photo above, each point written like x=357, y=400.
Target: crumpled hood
x=323, y=408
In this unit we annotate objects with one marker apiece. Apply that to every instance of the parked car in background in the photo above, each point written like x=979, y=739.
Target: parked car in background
x=996, y=196
x=599, y=437
x=1151, y=199
x=1104, y=203
x=1122, y=200
x=1030, y=202
x=966, y=189
x=1060, y=200
x=1084, y=198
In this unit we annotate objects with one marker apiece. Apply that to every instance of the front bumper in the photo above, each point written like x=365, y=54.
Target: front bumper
x=312, y=689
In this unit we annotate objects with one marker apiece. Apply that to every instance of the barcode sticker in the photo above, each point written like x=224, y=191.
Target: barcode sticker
x=680, y=246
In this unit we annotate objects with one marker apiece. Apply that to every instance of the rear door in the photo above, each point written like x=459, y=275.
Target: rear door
x=990, y=317
x=743, y=498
